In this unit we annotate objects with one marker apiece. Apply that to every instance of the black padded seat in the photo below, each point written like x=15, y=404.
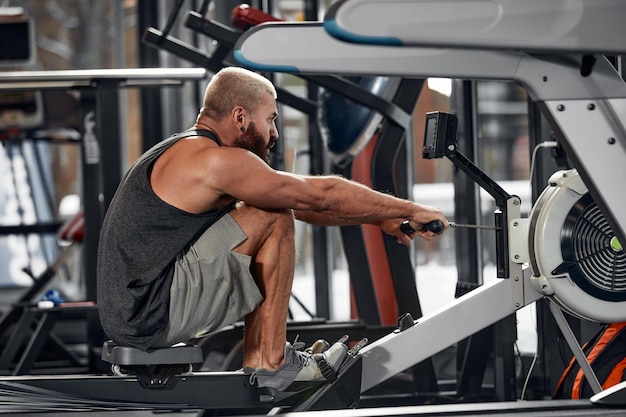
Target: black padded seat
x=128, y=356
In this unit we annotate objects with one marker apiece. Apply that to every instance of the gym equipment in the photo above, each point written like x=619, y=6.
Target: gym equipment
x=436, y=226
x=580, y=101
x=33, y=322
x=161, y=379
x=534, y=26
x=472, y=226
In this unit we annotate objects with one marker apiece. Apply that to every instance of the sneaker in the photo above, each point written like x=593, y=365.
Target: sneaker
x=302, y=367
x=320, y=346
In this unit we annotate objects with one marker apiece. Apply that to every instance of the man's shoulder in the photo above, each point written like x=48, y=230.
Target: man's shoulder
x=229, y=155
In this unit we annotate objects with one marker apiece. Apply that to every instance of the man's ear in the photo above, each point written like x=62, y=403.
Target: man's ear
x=239, y=116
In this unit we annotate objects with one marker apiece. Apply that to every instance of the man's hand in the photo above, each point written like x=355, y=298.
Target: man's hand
x=392, y=227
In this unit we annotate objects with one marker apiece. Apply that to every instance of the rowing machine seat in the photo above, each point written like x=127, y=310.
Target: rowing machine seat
x=154, y=368
x=128, y=356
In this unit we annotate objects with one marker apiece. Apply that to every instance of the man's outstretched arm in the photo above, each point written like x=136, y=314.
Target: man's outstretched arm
x=389, y=226
x=324, y=200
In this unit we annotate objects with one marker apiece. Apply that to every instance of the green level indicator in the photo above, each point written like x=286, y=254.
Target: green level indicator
x=615, y=245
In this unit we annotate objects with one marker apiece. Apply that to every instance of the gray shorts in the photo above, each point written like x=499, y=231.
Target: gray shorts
x=212, y=286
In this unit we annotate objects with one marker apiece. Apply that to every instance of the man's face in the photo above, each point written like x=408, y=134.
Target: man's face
x=261, y=133
x=256, y=142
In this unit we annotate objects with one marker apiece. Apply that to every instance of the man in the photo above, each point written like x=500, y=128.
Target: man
x=201, y=233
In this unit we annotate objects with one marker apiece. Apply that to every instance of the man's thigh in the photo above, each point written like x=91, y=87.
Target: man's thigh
x=212, y=286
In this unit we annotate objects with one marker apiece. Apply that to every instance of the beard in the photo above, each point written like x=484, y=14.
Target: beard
x=253, y=141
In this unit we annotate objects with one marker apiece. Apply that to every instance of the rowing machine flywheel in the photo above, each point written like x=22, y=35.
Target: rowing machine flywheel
x=574, y=255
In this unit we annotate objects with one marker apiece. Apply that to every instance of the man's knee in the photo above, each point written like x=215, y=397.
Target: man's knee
x=285, y=220
x=281, y=224
x=255, y=221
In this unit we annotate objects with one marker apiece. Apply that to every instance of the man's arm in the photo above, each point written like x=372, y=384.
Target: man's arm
x=331, y=200
x=389, y=226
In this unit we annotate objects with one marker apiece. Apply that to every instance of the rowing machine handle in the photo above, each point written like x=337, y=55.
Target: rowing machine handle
x=436, y=226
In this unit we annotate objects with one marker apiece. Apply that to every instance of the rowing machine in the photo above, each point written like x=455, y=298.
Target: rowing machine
x=164, y=379
x=579, y=104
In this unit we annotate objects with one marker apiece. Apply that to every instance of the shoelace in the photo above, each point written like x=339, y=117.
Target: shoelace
x=302, y=357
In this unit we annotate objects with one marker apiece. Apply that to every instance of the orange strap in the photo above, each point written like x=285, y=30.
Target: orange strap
x=616, y=375
x=606, y=337
x=565, y=373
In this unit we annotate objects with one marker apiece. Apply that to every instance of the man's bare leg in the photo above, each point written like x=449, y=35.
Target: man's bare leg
x=271, y=244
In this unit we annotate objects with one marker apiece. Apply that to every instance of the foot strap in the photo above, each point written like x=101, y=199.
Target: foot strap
x=327, y=370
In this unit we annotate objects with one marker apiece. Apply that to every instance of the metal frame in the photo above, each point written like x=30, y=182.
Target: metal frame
x=531, y=26
x=204, y=390
x=463, y=317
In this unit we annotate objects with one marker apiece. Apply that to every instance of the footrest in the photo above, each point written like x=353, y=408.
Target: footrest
x=131, y=356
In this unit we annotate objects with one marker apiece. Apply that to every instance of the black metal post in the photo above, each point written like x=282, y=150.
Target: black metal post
x=151, y=106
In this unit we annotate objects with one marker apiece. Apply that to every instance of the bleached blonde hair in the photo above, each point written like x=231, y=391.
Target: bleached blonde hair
x=234, y=86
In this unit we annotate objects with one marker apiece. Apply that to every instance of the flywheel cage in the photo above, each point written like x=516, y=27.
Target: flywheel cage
x=591, y=256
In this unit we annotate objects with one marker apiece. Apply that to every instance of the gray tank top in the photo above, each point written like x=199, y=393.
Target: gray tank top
x=140, y=238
